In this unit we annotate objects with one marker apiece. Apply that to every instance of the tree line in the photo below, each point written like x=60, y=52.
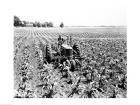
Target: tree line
x=20, y=23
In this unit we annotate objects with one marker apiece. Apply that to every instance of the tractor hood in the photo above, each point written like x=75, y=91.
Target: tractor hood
x=65, y=46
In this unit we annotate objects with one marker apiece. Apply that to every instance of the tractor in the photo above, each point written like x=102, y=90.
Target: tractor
x=64, y=54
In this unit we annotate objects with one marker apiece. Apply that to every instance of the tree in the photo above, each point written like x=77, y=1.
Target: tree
x=24, y=23
x=38, y=24
x=62, y=25
x=43, y=25
x=34, y=25
x=49, y=24
x=17, y=21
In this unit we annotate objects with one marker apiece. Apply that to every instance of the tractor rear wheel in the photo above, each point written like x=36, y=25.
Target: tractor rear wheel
x=76, y=50
x=48, y=54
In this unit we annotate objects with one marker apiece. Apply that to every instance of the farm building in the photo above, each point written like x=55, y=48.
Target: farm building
x=29, y=25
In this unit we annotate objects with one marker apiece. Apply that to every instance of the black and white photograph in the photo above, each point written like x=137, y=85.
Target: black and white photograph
x=73, y=51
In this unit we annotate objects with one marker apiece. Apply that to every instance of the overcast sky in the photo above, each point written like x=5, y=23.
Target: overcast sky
x=72, y=12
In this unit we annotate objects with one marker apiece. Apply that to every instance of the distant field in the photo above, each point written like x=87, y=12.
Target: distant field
x=82, y=32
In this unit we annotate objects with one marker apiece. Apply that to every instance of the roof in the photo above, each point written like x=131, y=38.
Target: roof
x=66, y=46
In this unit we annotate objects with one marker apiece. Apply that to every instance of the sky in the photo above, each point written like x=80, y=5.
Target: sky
x=73, y=12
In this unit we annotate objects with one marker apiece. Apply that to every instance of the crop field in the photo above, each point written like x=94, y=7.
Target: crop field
x=104, y=68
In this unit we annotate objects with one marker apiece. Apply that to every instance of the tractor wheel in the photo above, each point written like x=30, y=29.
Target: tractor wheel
x=76, y=50
x=73, y=65
x=48, y=54
x=68, y=63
